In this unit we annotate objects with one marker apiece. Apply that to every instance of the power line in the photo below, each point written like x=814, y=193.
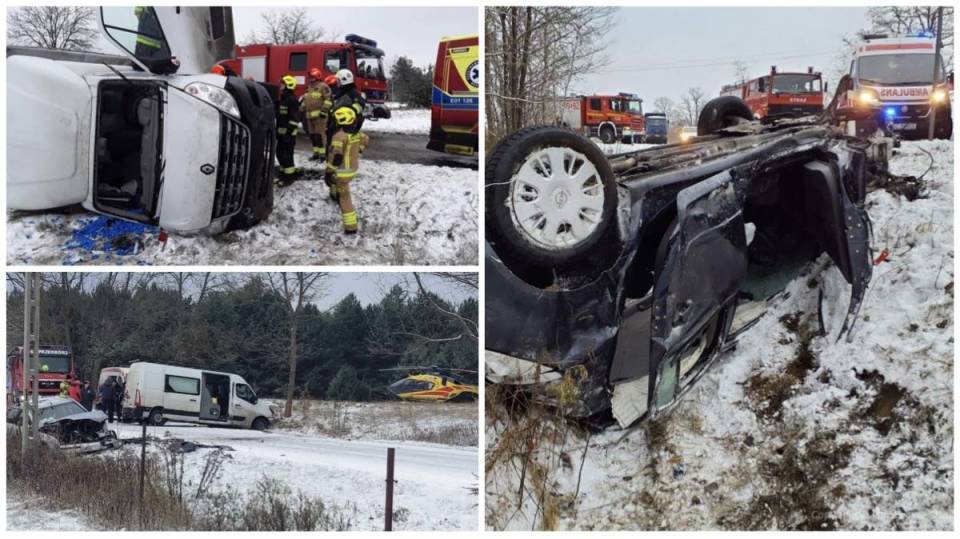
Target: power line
x=727, y=61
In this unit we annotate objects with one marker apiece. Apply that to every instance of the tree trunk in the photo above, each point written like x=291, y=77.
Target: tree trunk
x=292, y=364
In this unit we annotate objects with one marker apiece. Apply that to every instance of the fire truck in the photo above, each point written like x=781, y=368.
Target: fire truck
x=609, y=117
x=268, y=63
x=454, y=106
x=781, y=94
x=891, y=86
x=55, y=363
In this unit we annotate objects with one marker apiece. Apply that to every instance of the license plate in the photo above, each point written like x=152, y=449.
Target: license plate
x=901, y=126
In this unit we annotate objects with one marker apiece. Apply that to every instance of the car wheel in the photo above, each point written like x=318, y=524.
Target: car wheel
x=608, y=135
x=260, y=423
x=721, y=112
x=156, y=417
x=551, y=195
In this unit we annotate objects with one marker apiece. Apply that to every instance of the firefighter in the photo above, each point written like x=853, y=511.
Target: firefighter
x=315, y=109
x=65, y=386
x=288, y=123
x=343, y=161
x=331, y=82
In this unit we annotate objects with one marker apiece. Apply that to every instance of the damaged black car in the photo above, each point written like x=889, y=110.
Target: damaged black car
x=64, y=422
x=613, y=281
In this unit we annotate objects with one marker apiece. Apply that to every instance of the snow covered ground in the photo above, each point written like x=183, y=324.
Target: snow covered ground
x=25, y=512
x=433, y=480
x=408, y=214
x=406, y=121
x=791, y=430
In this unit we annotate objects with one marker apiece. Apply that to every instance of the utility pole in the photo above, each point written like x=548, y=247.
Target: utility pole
x=936, y=72
x=31, y=348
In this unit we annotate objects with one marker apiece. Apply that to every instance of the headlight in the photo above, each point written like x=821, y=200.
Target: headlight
x=938, y=96
x=218, y=97
x=868, y=97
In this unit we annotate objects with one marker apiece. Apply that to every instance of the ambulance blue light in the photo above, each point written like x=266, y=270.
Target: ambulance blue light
x=889, y=111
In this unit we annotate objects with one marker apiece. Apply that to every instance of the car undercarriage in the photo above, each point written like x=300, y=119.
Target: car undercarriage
x=638, y=295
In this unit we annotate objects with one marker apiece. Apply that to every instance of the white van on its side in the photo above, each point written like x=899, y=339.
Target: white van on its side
x=157, y=393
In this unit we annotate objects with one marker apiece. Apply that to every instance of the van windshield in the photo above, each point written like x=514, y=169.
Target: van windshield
x=898, y=69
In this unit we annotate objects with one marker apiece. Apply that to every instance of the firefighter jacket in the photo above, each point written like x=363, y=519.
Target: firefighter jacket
x=288, y=114
x=317, y=102
x=348, y=96
x=64, y=388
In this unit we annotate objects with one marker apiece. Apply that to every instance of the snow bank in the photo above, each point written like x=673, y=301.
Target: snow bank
x=405, y=121
x=408, y=214
x=26, y=512
x=792, y=430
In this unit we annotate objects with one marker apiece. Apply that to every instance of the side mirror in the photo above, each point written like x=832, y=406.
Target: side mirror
x=826, y=87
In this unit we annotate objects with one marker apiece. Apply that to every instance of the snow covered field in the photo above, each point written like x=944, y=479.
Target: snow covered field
x=408, y=214
x=406, y=121
x=25, y=512
x=791, y=430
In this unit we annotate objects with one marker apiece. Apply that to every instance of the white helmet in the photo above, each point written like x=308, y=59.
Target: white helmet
x=344, y=77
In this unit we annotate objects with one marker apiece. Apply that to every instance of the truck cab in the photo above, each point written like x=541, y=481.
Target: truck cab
x=54, y=363
x=781, y=94
x=655, y=128
x=611, y=118
x=891, y=86
x=150, y=136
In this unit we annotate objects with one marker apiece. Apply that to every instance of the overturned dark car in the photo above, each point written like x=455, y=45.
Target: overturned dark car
x=63, y=422
x=612, y=282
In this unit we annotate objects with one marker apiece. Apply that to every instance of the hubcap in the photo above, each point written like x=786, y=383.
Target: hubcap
x=557, y=198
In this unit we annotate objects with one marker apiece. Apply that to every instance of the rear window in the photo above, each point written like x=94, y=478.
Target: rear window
x=182, y=385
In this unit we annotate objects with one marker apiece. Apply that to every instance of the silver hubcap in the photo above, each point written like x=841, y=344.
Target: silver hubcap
x=557, y=198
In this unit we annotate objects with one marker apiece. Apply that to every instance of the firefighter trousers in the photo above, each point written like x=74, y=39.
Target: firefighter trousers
x=319, y=140
x=285, y=146
x=342, y=165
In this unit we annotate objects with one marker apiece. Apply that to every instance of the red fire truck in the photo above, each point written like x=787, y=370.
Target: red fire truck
x=781, y=94
x=268, y=63
x=55, y=363
x=610, y=117
x=456, y=83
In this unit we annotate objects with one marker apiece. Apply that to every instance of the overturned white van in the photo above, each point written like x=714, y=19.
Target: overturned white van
x=151, y=136
x=156, y=393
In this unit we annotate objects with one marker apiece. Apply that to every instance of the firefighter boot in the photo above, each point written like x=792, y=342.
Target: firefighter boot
x=347, y=210
x=328, y=178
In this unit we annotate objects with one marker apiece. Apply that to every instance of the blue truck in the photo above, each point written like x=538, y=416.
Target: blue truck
x=656, y=128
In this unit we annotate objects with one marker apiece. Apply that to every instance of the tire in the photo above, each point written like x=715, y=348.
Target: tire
x=156, y=417
x=723, y=111
x=260, y=423
x=608, y=135
x=517, y=217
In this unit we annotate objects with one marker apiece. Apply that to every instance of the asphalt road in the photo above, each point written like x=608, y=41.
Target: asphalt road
x=403, y=148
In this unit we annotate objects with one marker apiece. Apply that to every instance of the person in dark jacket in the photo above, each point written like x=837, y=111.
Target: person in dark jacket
x=118, y=399
x=108, y=393
x=87, y=396
x=288, y=123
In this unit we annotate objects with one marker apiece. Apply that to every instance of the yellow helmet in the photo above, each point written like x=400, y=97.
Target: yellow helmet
x=345, y=116
x=289, y=81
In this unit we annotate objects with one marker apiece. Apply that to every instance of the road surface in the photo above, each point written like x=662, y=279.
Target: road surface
x=402, y=148
x=432, y=479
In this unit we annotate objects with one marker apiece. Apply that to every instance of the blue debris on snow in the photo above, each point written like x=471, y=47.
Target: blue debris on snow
x=107, y=235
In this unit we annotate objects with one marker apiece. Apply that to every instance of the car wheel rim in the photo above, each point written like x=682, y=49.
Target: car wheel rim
x=557, y=198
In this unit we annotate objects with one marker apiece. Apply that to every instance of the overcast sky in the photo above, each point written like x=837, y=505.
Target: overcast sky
x=664, y=51
x=413, y=32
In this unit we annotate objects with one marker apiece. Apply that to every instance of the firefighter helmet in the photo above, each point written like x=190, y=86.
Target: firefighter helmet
x=218, y=69
x=44, y=368
x=345, y=115
x=316, y=73
x=331, y=80
x=344, y=77
x=289, y=82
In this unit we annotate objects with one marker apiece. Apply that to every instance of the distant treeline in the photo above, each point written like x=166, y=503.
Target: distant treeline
x=243, y=328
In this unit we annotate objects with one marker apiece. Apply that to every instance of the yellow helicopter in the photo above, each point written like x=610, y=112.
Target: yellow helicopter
x=432, y=384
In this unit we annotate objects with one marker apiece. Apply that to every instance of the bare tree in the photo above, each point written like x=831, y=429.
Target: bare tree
x=534, y=54
x=297, y=290
x=52, y=27
x=289, y=27
x=740, y=71
x=691, y=104
x=664, y=104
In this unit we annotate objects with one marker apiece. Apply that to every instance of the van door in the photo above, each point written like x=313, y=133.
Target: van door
x=181, y=397
x=197, y=36
x=698, y=276
x=243, y=410
x=215, y=397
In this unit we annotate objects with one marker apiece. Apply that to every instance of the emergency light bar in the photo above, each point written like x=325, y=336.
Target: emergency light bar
x=360, y=40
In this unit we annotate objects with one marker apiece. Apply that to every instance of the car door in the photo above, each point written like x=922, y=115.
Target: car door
x=198, y=36
x=243, y=410
x=698, y=275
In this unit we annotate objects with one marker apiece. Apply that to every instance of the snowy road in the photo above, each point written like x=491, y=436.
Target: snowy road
x=432, y=480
